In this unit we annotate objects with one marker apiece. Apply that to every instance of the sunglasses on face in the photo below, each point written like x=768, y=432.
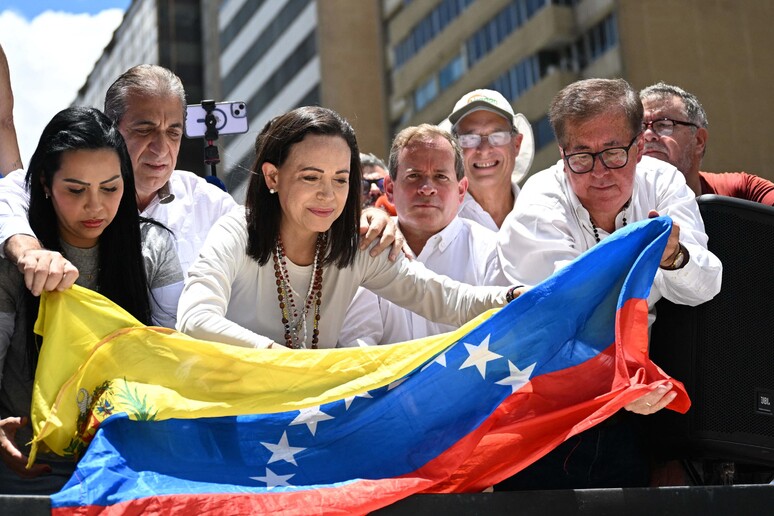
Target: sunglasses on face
x=368, y=182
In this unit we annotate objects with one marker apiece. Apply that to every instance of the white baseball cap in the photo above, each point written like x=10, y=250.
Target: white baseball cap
x=494, y=102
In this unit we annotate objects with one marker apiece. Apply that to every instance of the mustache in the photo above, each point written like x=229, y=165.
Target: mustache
x=654, y=147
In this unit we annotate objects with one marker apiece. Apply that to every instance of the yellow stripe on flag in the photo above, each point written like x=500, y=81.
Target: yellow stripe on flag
x=97, y=360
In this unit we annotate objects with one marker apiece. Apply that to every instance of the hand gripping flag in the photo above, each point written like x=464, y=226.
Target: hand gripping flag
x=169, y=423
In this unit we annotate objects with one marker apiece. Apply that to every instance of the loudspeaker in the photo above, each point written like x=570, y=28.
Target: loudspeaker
x=723, y=350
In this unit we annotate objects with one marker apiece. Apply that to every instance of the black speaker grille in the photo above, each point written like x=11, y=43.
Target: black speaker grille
x=738, y=355
x=723, y=350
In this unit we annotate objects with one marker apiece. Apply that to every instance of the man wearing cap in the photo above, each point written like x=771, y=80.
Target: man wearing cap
x=497, y=147
x=675, y=131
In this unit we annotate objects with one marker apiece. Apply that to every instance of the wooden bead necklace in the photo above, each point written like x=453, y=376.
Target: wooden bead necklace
x=294, y=321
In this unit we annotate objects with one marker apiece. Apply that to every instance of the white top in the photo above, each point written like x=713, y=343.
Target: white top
x=464, y=250
x=228, y=297
x=470, y=209
x=195, y=208
x=549, y=227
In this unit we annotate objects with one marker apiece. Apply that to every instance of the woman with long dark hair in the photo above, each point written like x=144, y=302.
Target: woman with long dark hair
x=283, y=270
x=82, y=205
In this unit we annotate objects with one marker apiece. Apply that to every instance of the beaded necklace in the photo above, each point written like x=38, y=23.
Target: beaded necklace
x=594, y=226
x=294, y=321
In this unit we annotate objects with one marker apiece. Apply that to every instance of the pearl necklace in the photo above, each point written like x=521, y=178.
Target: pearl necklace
x=594, y=226
x=294, y=321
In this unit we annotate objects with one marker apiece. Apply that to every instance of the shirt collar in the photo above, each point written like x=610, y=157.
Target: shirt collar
x=444, y=238
x=165, y=194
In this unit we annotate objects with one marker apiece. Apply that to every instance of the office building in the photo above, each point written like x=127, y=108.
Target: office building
x=530, y=49
x=166, y=33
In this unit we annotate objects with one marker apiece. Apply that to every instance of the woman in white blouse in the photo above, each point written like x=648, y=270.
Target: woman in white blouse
x=283, y=269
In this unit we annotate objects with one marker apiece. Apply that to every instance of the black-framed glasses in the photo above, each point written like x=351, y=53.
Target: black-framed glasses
x=612, y=158
x=368, y=182
x=664, y=126
x=496, y=139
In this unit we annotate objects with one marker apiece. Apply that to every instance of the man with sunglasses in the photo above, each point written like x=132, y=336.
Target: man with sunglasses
x=675, y=131
x=374, y=172
x=601, y=184
x=497, y=147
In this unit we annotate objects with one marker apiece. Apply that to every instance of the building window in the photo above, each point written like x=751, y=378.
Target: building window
x=502, y=25
x=451, y=72
x=428, y=28
x=543, y=133
x=518, y=79
x=425, y=94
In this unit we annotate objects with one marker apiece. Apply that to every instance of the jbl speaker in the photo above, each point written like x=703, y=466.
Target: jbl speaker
x=723, y=350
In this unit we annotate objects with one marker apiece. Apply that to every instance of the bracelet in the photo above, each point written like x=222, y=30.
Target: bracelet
x=509, y=296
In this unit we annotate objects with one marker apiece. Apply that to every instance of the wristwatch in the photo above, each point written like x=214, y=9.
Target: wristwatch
x=679, y=260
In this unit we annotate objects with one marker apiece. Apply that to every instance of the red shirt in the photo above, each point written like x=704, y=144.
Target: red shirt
x=738, y=184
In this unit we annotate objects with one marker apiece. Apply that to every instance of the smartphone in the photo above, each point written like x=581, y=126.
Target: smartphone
x=231, y=119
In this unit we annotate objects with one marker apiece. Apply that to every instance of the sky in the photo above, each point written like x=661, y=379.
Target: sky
x=51, y=47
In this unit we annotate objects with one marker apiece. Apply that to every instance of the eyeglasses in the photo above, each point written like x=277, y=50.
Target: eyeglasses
x=368, y=182
x=471, y=141
x=612, y=158
x=664, y=126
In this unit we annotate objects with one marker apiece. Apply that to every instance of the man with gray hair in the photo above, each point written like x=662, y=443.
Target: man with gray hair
x=148, y=104
x=675, y=130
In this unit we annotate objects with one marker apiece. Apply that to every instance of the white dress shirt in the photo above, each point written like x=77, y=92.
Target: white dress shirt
x=470, y=209
x=464, y=251
x=229, y=297
x=189, y=215
x=549, y=228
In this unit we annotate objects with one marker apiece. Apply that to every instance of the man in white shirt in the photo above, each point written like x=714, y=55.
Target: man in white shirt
x=497, y=147
x=426, y=183
x=602, y=183
x=148, y=104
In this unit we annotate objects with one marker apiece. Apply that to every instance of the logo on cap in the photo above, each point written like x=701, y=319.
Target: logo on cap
x=484, y=98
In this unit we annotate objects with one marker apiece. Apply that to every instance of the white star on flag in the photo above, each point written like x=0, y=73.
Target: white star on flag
x=517, y=377
x=310, y=417
x=479, y=356
x=348, y=401
x=282, y=450
x=396, y=383
x=273, y=480
x=440, y=359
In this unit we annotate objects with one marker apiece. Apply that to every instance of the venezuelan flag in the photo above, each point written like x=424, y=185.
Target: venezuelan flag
x=172, y=424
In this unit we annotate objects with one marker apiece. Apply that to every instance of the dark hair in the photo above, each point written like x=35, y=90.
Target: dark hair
x=371, y=160
x=425, y=132
x=263, y=210
x=121, y=275
x=589, y=98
